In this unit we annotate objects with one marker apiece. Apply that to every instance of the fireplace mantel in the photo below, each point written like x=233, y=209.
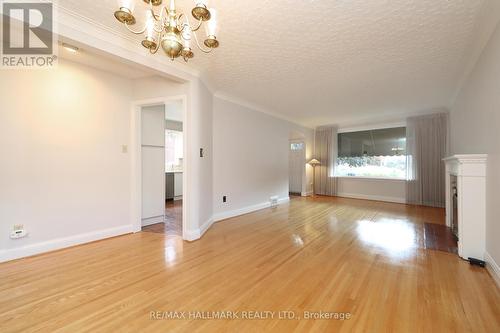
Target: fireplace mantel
x=470, y=171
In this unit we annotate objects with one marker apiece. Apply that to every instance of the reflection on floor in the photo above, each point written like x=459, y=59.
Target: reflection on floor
x=439, y=237
x=173, y=220
x=334, y=255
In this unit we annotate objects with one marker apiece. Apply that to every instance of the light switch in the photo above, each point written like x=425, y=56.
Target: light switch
x=124, y=149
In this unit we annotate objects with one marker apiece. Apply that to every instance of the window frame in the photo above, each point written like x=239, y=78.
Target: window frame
x=369, y=128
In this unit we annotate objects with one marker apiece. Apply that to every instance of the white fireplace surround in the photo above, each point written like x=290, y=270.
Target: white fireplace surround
x=470, y=171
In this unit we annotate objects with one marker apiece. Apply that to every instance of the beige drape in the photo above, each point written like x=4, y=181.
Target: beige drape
x=326, y=150
x=426, y=146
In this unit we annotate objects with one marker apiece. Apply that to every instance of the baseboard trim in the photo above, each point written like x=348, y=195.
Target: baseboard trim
x=246, y=210
x=206, y=226
x=492, y=268
x=307, y=194
x=61, y=243
x=371, y=197
x=153, y=220
x=192, y=235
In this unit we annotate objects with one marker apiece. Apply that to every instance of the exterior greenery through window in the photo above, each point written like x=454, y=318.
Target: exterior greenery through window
x=377, y=153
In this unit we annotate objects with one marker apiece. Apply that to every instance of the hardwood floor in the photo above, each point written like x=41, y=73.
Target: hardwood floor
x=366, y=259
x=173, y=220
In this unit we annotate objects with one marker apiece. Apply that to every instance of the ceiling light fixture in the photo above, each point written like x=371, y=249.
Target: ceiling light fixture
x=170, y=30
x=70, y=48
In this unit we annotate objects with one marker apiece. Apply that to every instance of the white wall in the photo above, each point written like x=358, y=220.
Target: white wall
x=53, y=179
x=65, y=176
x=475, y=128
x=391, y=190
x=201, y=168
x=250, y=157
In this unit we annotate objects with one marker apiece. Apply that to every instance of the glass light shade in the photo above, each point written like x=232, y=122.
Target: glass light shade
x=172, y=5
x=201, y=2
x=150, y=25
x=129, y=4
x=186, y=36
x=212, y=23
x=314, y=162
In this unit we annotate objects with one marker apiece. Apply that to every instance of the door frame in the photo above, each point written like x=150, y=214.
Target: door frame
x=303, y=178
x=136, y=159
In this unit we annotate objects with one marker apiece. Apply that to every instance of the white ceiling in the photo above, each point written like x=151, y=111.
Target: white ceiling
x=321, y=62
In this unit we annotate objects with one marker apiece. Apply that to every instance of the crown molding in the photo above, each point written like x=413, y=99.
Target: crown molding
x=95, y=35
x=383, y=120
x=239, y=101
x=486, y=23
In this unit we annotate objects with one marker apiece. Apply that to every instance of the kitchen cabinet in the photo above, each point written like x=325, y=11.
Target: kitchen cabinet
x=173, y=185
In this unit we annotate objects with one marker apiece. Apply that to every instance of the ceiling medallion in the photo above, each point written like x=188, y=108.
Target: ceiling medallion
x=170, y=30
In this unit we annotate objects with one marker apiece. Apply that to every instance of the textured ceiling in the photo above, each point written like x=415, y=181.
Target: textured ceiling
x=322, y=61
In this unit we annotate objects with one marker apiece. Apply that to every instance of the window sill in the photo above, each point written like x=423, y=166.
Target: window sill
x=372, y=178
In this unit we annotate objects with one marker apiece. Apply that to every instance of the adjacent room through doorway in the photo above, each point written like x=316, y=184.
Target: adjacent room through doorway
x=297, y=156
x=172, y=167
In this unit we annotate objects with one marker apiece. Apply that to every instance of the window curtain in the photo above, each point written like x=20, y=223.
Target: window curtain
x=326, y=150
x=426, y=146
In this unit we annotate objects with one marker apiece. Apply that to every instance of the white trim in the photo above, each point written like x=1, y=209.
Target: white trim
x=471, y=206
x=307, y=194
x=245, y=210
x=205, y=226
x=195, y=234
x=467, y=158
x=153, y=220
x=249, y=105
x=372, y=197
x=95, y=35
x=192, y=235
x=371, y=178
x=61, y=243
x=136, y=172
x=492, y=267
x=372, y=127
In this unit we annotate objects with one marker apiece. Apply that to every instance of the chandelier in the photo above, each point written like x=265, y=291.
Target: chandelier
x=171, y=30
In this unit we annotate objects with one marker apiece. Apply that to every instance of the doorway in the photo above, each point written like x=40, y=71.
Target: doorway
x=297, y=156
x=174, y=167
x=159, y=165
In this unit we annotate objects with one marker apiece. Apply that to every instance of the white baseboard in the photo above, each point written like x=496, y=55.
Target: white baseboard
x=206, y=226
x=307, y=194
x=245, y=210
x=192, y=235
x=60, y=243
x=371, y=197
x=492, y=267
x=153, y=220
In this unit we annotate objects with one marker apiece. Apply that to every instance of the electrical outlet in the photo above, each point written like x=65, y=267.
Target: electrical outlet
x=224, y=199
x=18, y=231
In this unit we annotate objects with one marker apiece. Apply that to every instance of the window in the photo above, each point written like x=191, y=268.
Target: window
x=173, y=150
x=377, y=153
x=297, y=146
